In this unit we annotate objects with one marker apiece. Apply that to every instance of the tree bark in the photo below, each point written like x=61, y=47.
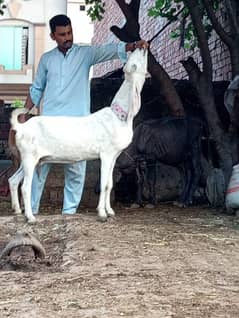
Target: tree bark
x=205, y=94
x=231, y=36
x=202, y=81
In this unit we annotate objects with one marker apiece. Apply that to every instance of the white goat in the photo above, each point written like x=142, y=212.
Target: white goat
x=103, y=134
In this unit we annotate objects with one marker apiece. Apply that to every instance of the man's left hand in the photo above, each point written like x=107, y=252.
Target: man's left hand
x=141, y=44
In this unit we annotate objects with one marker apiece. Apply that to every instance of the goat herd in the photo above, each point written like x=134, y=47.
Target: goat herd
x=168, y=140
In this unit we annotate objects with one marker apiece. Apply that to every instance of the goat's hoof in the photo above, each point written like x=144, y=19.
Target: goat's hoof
x=110, y=212
x=181, y=204
x=150, y=206
x=102, y=218
x=178, y=204
x=102, y=215
x=135, y=206
x=17, y=211
x=31, y=220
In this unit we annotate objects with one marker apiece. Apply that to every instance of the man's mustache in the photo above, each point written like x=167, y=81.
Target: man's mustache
x=67, y=42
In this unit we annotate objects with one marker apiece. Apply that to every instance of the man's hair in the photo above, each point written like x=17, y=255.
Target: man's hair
x=59, y=20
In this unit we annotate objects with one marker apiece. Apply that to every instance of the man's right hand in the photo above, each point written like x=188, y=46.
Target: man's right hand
x=22, y=118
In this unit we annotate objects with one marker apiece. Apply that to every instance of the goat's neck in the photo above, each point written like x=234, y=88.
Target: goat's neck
x=128, y=95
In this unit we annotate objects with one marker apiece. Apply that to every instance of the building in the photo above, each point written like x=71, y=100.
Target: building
x=24, y=34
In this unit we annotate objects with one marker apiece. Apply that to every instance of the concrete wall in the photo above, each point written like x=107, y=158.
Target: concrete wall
x=35, y=15
x=82, y=26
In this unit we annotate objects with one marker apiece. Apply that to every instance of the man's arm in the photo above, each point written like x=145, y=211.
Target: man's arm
x=103, y=53
x=29, y=103
x=38, y=86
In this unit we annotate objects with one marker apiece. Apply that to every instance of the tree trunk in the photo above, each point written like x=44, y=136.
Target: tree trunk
x=166, y=87
x=230, y=35
x=234, y=53
x=129, y=33
x=221, y=139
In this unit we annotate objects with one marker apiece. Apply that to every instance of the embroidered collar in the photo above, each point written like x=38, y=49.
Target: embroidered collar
x=119, y=112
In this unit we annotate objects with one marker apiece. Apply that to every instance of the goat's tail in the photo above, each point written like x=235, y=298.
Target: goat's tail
x=14, y=116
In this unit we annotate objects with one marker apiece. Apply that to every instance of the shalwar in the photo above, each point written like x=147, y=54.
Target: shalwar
x=63, y=83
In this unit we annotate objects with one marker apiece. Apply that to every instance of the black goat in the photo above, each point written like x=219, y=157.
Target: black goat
x=172, y=141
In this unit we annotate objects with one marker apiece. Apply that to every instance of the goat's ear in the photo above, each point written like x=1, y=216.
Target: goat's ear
x=130, y=68
x=133, y=68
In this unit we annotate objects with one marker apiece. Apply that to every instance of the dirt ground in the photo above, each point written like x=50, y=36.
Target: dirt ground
x=165, y=262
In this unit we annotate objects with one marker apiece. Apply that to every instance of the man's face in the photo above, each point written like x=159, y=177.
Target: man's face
x=63, y=37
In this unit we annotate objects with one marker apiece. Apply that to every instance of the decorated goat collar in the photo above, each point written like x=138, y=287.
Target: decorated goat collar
x=119, y=112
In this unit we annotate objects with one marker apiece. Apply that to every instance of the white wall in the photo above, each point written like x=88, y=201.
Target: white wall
x=82, y=26
x=51, y=8
x=32, y=10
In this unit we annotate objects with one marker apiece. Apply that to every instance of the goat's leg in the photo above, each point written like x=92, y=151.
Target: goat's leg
x=109, y=186
x=187, y=175
x=140, y=175
x=105, y=173
x=14, y=182
x=195, y=172
x=151, y=180
x=28, y=167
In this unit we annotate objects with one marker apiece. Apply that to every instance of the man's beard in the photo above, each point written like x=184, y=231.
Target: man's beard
x=67, y=44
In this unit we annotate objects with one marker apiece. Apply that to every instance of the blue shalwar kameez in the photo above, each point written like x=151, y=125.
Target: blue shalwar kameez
x=63, y=83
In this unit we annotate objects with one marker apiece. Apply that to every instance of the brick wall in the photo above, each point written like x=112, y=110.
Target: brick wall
x=53, y=191
x=103, y=35
x=167, y=52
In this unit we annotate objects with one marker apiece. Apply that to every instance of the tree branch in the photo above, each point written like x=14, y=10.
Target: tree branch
x=130, y=31
x=196, y=16
x=193, y=70
x=231, y=11
x=215, y=23
x=130, y=11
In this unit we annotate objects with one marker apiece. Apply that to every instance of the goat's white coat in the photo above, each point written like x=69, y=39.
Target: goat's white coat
x=70, y=139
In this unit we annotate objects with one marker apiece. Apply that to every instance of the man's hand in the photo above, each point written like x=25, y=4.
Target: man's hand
x=22, y=118
x=141, y=44
x=28, y=103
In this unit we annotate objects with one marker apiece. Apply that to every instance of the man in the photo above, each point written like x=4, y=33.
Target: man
x=63, y=78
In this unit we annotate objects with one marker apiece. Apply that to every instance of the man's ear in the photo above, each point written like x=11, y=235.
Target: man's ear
x=52, y=36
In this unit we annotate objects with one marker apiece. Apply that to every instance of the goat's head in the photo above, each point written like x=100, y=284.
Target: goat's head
x=137, y=63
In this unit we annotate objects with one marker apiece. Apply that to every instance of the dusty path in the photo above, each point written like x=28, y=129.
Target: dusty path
x=165, y=262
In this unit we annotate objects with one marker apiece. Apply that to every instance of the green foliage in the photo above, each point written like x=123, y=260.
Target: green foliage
x=17, y=104
x=165, y=9
x=96, y=9
x=185, y=32
x=2, y=7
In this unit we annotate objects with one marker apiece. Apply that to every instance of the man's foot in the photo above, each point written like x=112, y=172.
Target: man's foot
x=69, y=211
x=68, y=214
